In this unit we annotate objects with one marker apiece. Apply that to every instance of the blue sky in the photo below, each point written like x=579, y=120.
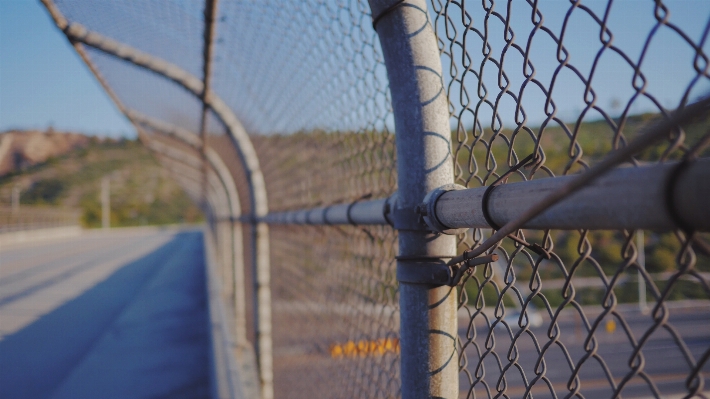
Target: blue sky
x=43, y=82
x=666, y=65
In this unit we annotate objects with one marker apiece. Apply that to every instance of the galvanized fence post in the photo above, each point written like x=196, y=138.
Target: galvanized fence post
x=239, y=283
x=429, y=361
x=262, y=304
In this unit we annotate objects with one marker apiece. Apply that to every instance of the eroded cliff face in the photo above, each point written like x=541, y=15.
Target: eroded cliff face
x=22, y=149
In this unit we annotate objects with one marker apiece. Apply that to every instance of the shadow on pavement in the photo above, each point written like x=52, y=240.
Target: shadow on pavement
x=142, y=332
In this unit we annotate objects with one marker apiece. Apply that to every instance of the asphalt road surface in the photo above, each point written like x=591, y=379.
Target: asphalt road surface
x=113, y=314
x=304, y=367
x=664, y=362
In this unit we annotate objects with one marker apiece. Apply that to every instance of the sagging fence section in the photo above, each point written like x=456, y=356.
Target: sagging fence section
x=494, y=199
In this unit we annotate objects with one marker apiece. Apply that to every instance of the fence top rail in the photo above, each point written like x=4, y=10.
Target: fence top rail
x=643, y=190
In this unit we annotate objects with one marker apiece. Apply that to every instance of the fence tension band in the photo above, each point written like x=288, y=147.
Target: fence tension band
x=487, y=194
x=430, y=270
x=671, y=184
x=387, y=208
x=386, y=11
x=467, y=267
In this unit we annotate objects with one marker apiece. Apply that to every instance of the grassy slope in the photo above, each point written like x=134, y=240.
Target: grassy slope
x=607, y=248
x=141, y=191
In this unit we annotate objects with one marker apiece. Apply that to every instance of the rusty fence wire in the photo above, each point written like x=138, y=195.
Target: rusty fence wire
x=559, y=313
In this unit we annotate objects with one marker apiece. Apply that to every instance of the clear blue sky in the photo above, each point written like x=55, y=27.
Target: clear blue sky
x=43, y=82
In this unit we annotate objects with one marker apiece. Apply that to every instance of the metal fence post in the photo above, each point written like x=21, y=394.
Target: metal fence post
x=262, y=304
x=15, y=199
x=239, y=284
x=641, y=260
x=227, y=265
x=105, y=202
x=429, y=361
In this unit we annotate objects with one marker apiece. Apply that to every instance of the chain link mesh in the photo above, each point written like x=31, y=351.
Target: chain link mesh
x=569, y=83
x=170, y=30
x=307, y=81
x=335, y=312
x=148, y=93
x=566, y=81
x=321, y=113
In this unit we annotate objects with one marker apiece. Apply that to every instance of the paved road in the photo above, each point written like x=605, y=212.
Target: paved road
x=665, y=363
x=303, y=364
x=107, y=314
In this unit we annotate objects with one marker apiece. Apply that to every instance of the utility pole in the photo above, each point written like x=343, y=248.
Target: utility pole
x=643, y=306
x=105, y=203
x=16, y=199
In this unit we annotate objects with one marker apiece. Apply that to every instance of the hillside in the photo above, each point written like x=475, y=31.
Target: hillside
x=65, y=170
x=22, y=149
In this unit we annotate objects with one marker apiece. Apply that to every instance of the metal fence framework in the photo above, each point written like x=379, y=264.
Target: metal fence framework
x=444, y=204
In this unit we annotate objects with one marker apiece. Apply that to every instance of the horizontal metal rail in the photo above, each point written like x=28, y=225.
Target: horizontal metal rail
x=363, y=212
x=625, y=198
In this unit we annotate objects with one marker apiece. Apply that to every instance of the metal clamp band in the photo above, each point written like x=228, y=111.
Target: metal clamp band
x=484, y=206
x=429, y=271
x=671, y=206
x=529, y=160
x=386, y=11
x=387, y=208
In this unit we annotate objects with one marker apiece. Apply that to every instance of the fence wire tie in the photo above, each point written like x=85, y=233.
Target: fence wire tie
x=461, y=265
x=500, y=180
x=526, y=162
x=533, y=247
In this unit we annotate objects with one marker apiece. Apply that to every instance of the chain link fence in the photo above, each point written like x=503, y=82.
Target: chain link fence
x=333, y=279
x=565, y=323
